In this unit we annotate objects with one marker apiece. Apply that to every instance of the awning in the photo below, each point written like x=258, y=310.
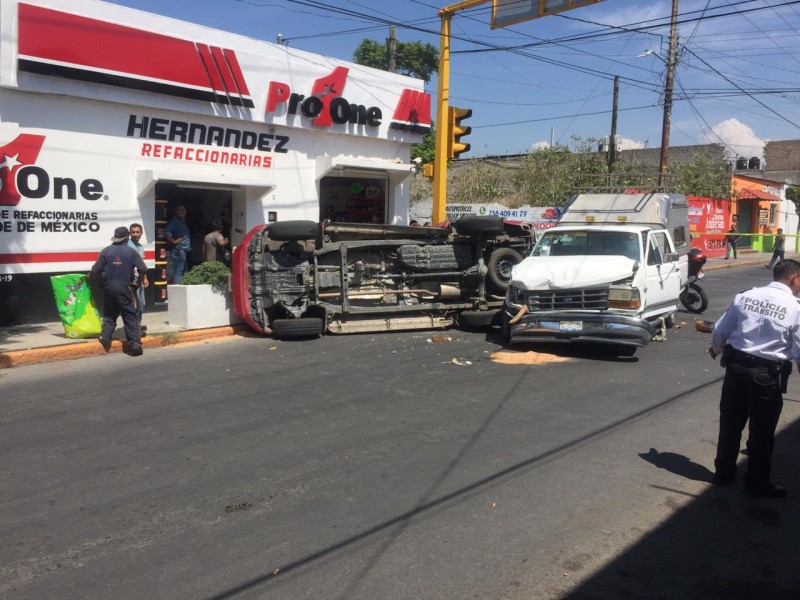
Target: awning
x=343, y=166
x=754, y=194
x=147, y=178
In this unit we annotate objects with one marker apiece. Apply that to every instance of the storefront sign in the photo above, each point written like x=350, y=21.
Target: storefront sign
x=540, y=217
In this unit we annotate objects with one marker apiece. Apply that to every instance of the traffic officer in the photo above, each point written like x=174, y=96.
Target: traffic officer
x=115, y=266
x=758, y=337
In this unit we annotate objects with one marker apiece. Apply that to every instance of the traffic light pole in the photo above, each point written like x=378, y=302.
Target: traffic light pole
x=442, y=109
x=442, y=126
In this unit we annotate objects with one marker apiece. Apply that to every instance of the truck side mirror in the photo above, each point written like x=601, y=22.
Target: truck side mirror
x=671, y=257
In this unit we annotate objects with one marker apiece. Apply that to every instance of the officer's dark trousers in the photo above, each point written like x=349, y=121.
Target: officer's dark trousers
x=748, y=392
x=119, y=300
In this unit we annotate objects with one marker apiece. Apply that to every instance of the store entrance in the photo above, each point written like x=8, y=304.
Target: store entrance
x=203, y=205
x=353, y=199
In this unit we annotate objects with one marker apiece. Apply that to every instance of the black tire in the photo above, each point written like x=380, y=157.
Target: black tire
x=476, y=319
x=479, y=225
x=292, y=231
x=626, y=351
x=292, y=329
x=694, y=299
x=501, y=261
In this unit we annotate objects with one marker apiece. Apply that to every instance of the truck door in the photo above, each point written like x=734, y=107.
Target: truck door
x=663, y=275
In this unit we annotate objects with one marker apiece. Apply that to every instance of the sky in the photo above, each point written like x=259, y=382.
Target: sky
x=551, y=80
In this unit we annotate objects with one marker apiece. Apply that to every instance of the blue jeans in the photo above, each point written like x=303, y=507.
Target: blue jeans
x=178, y=264
x=779, y=254
x=140, y=302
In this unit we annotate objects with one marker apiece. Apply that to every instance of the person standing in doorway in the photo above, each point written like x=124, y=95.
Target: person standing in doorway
x=214, y=243
x=116, y=267
x=179, y=238
x=732, y=239
x=778, y=250
x=758, y=337
x=139, y=284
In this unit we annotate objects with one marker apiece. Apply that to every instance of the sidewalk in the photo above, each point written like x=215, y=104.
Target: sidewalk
x=46, y=342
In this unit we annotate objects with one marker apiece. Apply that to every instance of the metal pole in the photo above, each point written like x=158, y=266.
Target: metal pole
x=442, y=128
x=612, y=139
x=442, y=106
x=392, y=49
x=663, y=167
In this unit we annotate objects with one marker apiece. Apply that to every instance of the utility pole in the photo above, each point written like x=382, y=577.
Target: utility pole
x=663, y=167
x=392, y=49
x=612, y=139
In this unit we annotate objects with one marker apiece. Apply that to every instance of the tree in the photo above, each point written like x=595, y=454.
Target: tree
x=425, y=150
x=415, y=59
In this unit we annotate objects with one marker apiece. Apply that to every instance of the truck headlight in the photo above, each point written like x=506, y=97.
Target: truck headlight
x=624, y=298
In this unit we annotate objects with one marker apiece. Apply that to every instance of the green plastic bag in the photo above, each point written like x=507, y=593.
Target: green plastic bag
x=75, y=307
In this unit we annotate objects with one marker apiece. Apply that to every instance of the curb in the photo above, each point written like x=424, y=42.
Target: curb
x=32, y=356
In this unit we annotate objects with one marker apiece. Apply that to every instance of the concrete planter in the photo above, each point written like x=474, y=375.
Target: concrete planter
x=200, y=306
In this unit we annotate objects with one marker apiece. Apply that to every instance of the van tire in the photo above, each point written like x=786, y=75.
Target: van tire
x=292, y=231
x=486, y=225
x=501, y=261
x=292, y=329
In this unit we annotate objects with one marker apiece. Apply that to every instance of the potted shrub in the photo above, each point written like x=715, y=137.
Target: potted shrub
x=202, y=298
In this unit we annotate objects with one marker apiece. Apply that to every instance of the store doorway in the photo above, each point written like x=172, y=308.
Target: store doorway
x=203, y=205
x=744, y=222
x=353, y=199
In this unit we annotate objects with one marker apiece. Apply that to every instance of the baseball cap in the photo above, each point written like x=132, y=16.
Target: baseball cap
x=120, y=235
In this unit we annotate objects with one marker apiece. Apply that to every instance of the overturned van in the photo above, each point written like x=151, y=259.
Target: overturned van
x=296, y=279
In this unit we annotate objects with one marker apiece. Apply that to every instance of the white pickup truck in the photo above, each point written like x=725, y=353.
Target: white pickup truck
x=609, y=272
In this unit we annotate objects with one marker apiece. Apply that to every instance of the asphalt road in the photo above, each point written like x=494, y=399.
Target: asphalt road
x=390, y=466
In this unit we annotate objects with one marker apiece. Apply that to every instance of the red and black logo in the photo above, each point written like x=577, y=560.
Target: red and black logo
x=413, y=112
x=24, y=150
x=60, y=44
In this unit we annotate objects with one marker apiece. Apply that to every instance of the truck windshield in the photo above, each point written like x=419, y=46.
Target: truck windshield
x=582, y=243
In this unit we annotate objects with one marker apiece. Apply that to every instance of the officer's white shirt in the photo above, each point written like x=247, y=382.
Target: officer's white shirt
x=763, y=321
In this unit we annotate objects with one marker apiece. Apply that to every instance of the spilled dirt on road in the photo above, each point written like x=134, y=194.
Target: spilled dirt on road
x=527, y=358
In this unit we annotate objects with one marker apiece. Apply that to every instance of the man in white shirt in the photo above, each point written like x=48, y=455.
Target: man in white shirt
x=758, y=337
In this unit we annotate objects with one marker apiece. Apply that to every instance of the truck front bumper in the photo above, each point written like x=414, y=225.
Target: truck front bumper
x=578, y=326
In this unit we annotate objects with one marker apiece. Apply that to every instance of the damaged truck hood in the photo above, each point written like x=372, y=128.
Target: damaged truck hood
x=569, y=272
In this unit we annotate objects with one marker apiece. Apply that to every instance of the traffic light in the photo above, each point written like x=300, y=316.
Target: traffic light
x=456, y=131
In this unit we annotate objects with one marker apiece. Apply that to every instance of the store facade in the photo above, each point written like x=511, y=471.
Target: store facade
x=110, y=116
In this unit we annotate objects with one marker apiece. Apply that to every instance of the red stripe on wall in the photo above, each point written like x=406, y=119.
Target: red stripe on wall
x=208, y=61
x=230, y=56
x=222, y=65
x=81, y=41
x=57, y=257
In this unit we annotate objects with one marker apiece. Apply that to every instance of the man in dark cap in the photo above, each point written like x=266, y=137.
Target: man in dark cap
x=115, y=268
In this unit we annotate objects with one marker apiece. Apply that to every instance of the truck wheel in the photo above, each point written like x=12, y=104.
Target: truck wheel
x=501, y=261
x=290, y=231
x=476, y=225
x=694, y=298
x=292, y=329
x=476, y=319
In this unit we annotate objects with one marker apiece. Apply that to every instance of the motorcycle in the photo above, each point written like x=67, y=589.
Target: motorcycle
x=693, y=297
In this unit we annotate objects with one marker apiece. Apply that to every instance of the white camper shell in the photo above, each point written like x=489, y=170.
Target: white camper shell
x=611, y=272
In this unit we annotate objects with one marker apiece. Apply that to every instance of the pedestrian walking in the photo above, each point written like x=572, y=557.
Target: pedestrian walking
x=778, y=249
x=116, y=268
x=758, y=337
x=139, y=284
x=732, y=238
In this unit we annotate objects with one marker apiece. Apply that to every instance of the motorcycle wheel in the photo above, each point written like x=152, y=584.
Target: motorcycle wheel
x=694, y=299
